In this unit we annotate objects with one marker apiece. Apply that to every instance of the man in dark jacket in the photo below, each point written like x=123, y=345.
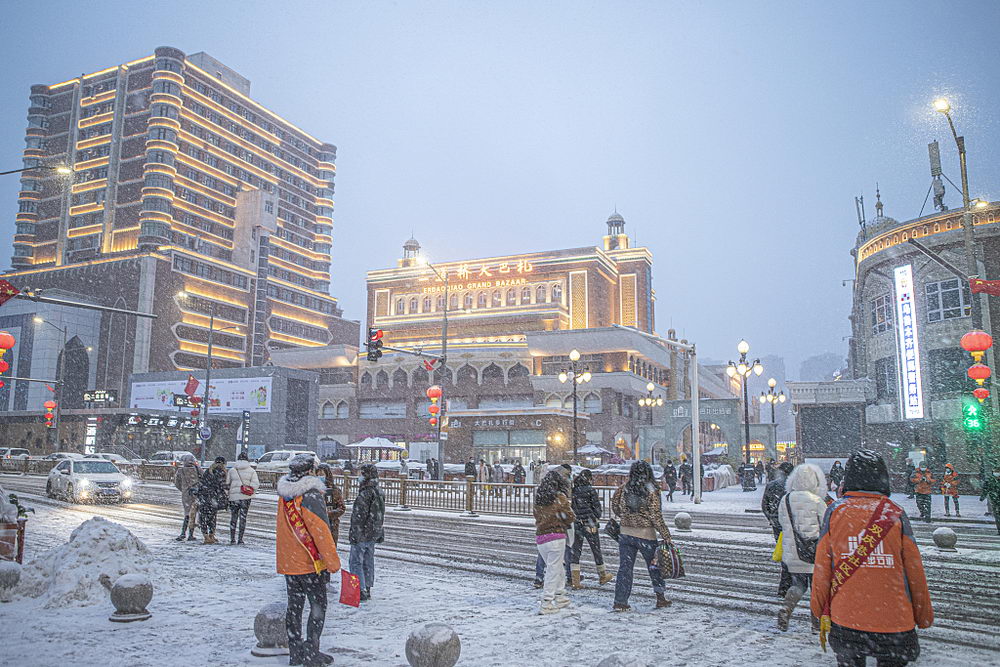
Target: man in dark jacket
x=769, y=504
x=366, y=528
x=670, y=478
x=991, y=490
x=470, y=468
x=518, y=472
x=686, y=474
x=212, y=496
x=588, y=508
x=759, y=471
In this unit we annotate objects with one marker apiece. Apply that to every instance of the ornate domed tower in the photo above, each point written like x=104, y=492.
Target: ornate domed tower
x=411, y=252
x=616, y=238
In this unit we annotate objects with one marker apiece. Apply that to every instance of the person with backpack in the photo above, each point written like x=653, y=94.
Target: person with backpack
x=554, y=518
x=186, y=481
x=366, y=531
x=800, y=515
x=213, y=495
x=869, y=587
x=333, y=498
x=769, y=503
x=640, y=515
x=306, y=555
x=242, y=482
x=923, y=487
x=949, y=489
x=587, y=507
x=670, y=479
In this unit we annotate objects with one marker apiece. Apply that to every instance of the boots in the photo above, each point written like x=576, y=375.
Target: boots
x=184, y=529
x=603, y=576
x=574, y=577
x=662, y=601
x=785, y=613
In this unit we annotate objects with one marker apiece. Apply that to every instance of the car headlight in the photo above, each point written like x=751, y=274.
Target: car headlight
x=126, y=483
x=83, y=482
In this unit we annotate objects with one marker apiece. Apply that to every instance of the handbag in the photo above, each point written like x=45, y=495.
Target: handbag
x=778, y=551
x=668, y=558
x=246, y=490
x=613, y=529
x=805, y=547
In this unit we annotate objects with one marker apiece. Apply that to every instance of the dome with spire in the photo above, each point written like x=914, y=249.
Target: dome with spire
x=616, y=217
x=411, y=244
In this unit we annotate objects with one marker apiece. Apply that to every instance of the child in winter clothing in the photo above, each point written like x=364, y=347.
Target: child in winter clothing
x=806, y=487
x=588, y=508
x=949, y=489
x=553, y=519
x=876, y=606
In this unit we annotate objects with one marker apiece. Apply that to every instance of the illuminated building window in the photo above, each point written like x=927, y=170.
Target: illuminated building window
x=496, y=300
x=525, y=295
x=481, y=300
x=413, y=304
x=400, y=306
x=511, y=297
x=467, y=301
x=540, y=294
x=440, y=302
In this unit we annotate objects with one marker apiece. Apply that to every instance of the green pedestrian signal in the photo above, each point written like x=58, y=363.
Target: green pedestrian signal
x=972, y=417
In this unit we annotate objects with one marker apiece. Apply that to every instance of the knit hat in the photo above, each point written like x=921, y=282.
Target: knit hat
x=866, y=471
x=220, y=459
x=301, y=464
x=369, y=471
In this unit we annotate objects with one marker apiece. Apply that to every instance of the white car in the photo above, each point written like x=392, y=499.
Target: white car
x=59, y=456
x=13, y=453
x=278, y=459
x=81, y=480
x=167, y=458
x=108, y=456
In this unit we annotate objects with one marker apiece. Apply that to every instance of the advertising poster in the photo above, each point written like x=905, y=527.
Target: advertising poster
x=226, y=395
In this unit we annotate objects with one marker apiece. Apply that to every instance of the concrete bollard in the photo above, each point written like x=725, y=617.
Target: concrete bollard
x=10, y=575
x=433, y=645
x=945, y=539
x=618, y=660
x=682, y=520
x=129, y=594
x=269, y=627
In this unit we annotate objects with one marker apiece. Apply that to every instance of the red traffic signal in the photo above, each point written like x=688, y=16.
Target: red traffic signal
x=375, y=334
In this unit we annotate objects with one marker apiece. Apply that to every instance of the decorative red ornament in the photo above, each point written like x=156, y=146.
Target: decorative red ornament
x=4, y=366
x=434, y=409
x=2, y=384
x=979, y=373
x=49, y=405
x=48, y=415
x=6, y=340
x=975, y=343
x=433, y=421
x=981, y=393
x=195, y=412
x=433, y=392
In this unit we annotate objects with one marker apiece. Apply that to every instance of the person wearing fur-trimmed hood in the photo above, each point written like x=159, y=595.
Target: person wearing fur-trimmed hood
x=306, y=554
x=367, y=517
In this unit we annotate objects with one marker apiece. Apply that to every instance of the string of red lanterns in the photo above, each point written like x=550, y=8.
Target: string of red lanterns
x=433, y=393
x=976, y=343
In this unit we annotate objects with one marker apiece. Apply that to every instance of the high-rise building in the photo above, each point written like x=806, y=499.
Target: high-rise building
x=187, y=199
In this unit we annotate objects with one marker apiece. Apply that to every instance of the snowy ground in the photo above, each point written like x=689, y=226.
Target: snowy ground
x=206, y=598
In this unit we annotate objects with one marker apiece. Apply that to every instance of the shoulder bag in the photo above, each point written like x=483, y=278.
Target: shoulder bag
x=805, y=547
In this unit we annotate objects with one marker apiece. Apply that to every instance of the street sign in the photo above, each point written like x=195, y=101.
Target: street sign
x=444, y=435
x=205, y=432
x=100, y=395
x=245, y=428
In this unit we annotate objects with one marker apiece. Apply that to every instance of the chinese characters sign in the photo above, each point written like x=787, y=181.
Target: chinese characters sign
x=465, y=272
x=909, y=349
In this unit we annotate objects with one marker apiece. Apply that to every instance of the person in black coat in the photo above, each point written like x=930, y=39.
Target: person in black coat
x=686, y=472
x=212, y=495
x=836, y=475
x=769, y=504
x=759, y=471
x=366, y=531
x=588, y=508
x=470, y=468
x=670, y=477
x=518, y=473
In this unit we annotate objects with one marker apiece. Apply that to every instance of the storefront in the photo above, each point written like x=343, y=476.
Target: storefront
x=525, y=434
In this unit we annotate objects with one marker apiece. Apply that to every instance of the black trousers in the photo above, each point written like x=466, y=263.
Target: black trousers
x=924, y=505
x=206, y=518
x=593, y=539
x=238, y=510
x=954, y=498
x=686, y=488
x=890, y=649
x=299, y=588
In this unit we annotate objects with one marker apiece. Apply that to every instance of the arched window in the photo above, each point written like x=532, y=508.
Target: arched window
x=443, y=378
x=400, y=306
x=517, y=371
x=440, y=302
x=400, y=378
x=592, y=404
x=366, y=380
x=327, y=411
x=343, y=410
x=493, y=374
x=497, y=301
x=481, y=300
x=467, y=301
x=466, y=375
x=427, y=304
x=557, y=293
x=381, y=380
x=420, y=378
x=525, y=295
x=553, y=401
x=512, y=297
x=540, y=294
x=453, y=302
x=413, y=304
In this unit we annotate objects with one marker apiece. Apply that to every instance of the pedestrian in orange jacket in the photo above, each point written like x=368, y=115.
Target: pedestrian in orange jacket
x=923, y=487
x=949, y=488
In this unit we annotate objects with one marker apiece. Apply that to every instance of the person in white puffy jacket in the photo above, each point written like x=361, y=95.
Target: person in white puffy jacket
x=240, y=479
x=805, y=490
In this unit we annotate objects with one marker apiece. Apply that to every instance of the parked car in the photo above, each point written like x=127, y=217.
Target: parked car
x=166, y=458
x=108, y=456
x=82, y=480
x=278, y=459
x=13, y=453
x=57, y=456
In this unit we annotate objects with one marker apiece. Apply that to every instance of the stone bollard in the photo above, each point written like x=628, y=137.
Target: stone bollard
x=269, y=626
x=945, y=539
x=10, y=575
x=433, y=645
x=129, y=594
x=618, y=660
x=683, y=522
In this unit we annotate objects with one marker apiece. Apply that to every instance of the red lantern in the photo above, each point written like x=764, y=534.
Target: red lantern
x=6, y=340
x=433, y=421
x=975, y=343
x=979, y=373
x=4, y=366
x=433, y=392
x=48, y=415
x=981, y=393
x=434, y=409
x=2, y=384
x=195, y=412
x=49, y=405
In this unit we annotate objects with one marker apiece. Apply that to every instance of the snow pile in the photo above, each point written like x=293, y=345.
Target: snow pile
x=69, y=574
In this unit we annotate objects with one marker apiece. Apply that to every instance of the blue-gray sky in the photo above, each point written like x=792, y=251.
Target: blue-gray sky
x=732, y=136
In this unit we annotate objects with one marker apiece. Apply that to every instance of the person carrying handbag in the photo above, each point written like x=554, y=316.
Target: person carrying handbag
x=242, y=483
x=588, y=508
x=800, y=515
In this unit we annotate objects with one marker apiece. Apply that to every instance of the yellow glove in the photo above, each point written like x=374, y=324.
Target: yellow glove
x=824, y=630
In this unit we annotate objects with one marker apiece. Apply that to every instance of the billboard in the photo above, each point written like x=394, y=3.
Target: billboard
x=911, y=396
x=226, y=395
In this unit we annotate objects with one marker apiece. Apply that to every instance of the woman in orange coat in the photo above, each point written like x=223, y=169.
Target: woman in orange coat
x=877, y=605
x=949, y=488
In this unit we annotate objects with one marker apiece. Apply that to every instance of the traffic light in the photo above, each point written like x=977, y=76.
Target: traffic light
x=374, y=344
x=973, y=419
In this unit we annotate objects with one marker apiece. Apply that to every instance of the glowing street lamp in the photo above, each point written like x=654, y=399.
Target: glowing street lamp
x=743, y=368
x=576, y=377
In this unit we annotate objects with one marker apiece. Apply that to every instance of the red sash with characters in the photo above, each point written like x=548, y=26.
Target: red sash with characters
x=883, y=519
x=293, y=514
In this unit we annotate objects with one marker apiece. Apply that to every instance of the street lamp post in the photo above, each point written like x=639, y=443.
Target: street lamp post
x=439, y=469
x=59, y=169
x=649, y=401
x=577, y=378
x=60, y=375
x=772, y=397
x=743, y=368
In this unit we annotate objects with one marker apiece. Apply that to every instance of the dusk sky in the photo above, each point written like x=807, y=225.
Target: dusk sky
x=732, y=136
